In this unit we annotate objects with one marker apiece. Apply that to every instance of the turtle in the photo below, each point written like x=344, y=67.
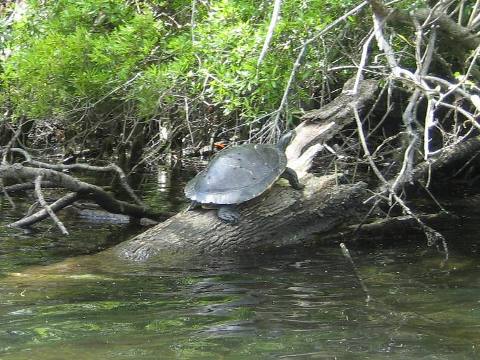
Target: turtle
x=238, y=174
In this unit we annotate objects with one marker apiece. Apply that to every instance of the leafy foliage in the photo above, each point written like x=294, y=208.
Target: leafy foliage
x=68, y=59
x=60, y=66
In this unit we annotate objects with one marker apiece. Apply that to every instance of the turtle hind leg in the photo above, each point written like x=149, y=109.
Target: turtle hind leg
x=228, y=214
x=292, y=178
x=193, y=205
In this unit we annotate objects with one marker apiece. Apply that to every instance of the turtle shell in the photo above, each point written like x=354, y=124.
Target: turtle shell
x=237, y=174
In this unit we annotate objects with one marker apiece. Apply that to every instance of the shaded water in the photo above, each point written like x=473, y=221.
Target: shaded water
x=293, y=304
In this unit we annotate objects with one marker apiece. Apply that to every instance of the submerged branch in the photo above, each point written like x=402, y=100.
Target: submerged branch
x=46, y=207
x=58, y=205
x=81, y=189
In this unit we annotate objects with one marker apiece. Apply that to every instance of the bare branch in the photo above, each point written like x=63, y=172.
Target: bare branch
x=43, y=214
x=109, y=168
x=29, y=186
x=271, y=28
x=85, y=190
x=46, y=207
x=274, y=125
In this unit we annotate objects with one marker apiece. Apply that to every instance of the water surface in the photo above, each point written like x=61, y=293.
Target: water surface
x=292, y=304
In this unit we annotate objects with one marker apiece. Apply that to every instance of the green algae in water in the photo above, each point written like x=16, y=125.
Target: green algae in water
x=317, y=310
x=294, y=305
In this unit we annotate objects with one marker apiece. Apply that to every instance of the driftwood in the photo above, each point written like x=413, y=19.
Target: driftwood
x=79, y=190
x=282, y=216
x=286, y=217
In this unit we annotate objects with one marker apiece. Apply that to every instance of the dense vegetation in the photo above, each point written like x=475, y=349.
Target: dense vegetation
x=176, y=74
x=135, y=81
x=101, y=68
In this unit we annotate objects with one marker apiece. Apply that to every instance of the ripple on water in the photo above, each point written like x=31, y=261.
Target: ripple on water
x=287, y=305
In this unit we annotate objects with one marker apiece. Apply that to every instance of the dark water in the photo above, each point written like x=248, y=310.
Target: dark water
x=293, y=304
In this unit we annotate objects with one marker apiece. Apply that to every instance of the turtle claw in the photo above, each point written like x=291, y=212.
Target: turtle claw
x=228, y=214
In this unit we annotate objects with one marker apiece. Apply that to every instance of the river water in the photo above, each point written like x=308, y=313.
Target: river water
x=291, y=304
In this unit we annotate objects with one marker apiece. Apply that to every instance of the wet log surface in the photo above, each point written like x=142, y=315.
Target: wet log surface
x=281, y=217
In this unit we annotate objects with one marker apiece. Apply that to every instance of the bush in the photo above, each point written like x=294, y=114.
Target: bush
x=69, y=57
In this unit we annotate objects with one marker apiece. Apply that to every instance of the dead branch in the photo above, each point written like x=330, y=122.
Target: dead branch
x=46, y=207
x=271, y=28
x=449, y=155
x=58, y=205
x=25, y=174
x=321, y=125
x=453, y=33
x=30, y=186
x=60, y=167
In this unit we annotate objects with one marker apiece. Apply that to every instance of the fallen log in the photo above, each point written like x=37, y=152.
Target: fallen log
x=283, y=216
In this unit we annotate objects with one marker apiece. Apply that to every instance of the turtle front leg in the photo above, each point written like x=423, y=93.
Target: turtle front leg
x=228, y=214
x=292, y=178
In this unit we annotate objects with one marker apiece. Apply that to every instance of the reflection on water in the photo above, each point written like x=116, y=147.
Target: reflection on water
x=293, y=304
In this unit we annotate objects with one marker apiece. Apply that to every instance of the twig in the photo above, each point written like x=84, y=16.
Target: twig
x=192, y=20
x=47, y=208
x=473, y=15
x=271, y=28
x=11, y=142
x=43, y=214
x=7, y=195
x=346, y=254
x=187, y=120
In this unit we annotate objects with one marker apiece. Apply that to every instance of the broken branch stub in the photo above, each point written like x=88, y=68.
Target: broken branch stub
x=320, y=125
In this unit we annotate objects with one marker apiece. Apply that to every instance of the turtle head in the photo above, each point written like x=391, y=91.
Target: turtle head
x=285, y=140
